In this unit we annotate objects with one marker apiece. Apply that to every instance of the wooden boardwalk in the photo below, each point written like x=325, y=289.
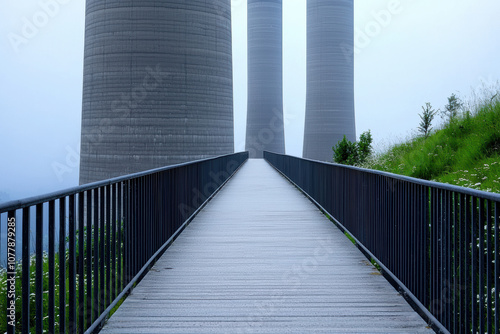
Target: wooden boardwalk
x=261, y=258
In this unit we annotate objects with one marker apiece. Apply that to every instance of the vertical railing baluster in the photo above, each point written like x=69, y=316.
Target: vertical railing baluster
x=145, y=223
x=424, y=243
x=26, y=271
x=399, y=229
x=102, y=286
x=497, y=266
x=412, y=249
x=474, y=269
x=417, y=249
x=108, y=246
x=394, y=238
x=450, y=295
x=468, y=261
x=434, y=252
x=155, y=198
x=114, y=218
x=62, y=265
x=126, y=232
x=136, y=236
x=131, y=237
x=142, y=248
x=138, y=223
x=81, y=265
x=442, y=237
x=489, y=276
x=88, y=266
x=52, y=280
x=72, y=265
x=121, y=202
x=462, y=244
x=39, y=269
x=95, y=226
x=481, y=224
x=130, y=233
x=456, y=262
x=441, y=267
x=448, y=292
x=155, y=244
x=451, y=261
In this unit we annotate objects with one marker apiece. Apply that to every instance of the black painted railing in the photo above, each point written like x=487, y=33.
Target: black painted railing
x=80, y=251
x=438, y=243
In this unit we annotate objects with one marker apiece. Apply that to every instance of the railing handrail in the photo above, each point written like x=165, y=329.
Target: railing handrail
x=34, y=200
x=443, y=186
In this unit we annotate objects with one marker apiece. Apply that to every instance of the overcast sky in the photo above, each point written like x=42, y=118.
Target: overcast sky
x=423, y=52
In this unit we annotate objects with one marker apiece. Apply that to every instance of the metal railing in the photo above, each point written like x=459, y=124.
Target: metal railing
x=93, y=243
x=438, y=243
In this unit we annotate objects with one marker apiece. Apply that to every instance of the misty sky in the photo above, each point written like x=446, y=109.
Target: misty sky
x=423, y=52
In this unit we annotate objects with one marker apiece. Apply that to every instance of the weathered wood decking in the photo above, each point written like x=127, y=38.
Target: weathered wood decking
x=261, y=258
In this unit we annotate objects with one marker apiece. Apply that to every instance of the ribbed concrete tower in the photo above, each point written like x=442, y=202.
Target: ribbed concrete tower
x=157, y=87
x=330, y=77
x=265, y=78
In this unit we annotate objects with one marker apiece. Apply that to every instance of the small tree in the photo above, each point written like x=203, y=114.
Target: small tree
x=345, y=152
x=349, y=153
x=365, y=146
x=451, y=109
x=426, y=119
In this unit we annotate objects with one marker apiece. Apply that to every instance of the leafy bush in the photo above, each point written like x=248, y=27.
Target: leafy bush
x=349, y=153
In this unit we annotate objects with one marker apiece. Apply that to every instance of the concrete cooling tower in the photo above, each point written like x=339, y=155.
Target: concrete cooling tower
x=157, y=87
x=330, y=77
x=265, y=78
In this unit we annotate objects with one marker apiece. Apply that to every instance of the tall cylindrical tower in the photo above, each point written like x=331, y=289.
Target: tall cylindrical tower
x=330, y=77
x=265, y=78
x=157, y=87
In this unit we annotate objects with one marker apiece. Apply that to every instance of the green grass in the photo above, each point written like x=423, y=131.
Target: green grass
x=350, y=237
x=45, y=284
x=464, y=152
x=19, y=302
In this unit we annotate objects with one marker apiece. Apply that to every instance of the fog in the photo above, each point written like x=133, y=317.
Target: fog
x=407, y=53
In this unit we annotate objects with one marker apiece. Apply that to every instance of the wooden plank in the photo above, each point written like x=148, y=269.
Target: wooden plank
x=261, y=258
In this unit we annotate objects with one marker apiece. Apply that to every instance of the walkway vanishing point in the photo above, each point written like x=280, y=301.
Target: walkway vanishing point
x=261, y=258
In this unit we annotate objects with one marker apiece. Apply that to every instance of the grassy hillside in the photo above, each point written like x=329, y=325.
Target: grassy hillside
x=464, y=152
